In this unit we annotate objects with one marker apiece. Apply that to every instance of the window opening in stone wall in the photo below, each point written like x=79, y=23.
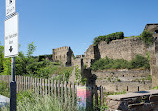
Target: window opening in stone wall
x=156, y=31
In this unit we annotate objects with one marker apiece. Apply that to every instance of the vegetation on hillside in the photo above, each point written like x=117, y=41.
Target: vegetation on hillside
x=107, y=63
x=33, y=66
x=146, y=36
x=108, y=38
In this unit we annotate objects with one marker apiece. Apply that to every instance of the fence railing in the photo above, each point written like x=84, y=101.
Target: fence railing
x=64, y=91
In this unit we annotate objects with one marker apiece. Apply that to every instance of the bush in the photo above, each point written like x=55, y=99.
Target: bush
x=107, y=63
x=147, y=37
x=4, y=90
x=108, y=38
x=140, y=61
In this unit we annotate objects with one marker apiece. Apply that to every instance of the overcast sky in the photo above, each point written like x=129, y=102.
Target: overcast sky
x=56, y=23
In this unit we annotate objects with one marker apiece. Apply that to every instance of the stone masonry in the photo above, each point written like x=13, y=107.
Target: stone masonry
x=63, y=54
x=137, y=101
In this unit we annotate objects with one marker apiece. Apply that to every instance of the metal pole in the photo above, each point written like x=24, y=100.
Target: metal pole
x=13, y=86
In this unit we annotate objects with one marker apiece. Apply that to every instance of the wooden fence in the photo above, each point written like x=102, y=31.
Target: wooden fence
x=64, y=91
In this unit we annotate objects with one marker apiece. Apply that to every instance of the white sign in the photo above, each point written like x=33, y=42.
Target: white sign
x=10, y=7
x=11, y=31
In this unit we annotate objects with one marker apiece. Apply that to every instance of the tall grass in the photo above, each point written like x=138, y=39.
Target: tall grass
x=28, y=101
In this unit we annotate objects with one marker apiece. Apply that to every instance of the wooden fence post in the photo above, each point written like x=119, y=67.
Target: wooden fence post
x=55, y=88
x=58, y=90
x=65, y=87
x=69, y=94
x=52, y=87
x=62, y=92
x=46, y=86
x=49, y=87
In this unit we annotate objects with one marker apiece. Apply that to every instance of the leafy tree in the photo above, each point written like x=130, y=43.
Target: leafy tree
x=147, y=37
x=31, y=49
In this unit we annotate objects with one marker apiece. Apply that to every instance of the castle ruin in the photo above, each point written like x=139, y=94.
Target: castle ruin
x=126, y=49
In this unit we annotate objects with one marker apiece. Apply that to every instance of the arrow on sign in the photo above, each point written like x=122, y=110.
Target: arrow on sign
x=10, y=49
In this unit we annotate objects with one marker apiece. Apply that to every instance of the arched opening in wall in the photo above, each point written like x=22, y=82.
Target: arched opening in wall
x=156, y=31
x=123, y=76
x=56, y=57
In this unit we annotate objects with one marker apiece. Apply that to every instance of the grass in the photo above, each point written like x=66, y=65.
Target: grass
x=28, y=101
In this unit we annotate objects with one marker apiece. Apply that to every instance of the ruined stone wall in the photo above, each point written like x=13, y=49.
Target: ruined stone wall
x=89, y=56
x=125, y=86
x=121, y=73
x=77, y=62
x=122, y=49
x=126, y=78
x=60, y=54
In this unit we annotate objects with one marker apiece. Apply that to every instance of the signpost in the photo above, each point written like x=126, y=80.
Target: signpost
x=11, y=33
x=11, y=36
x=10, y=7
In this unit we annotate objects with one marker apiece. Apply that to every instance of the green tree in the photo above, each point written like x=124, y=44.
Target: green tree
x=31, y=49
x=147, y=37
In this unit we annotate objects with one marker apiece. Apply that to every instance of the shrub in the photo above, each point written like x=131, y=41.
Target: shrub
x=108, y=38
x=140, y=61
x=107, y=63
x=4, y=90
x=147, y=37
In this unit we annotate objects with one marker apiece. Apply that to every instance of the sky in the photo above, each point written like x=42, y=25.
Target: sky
x=55, y=23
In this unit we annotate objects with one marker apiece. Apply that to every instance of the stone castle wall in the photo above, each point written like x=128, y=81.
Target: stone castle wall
x=126, y=78
x=122, y=49
x=60, y=54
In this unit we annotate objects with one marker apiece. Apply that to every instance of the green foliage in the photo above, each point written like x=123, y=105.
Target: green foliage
x=7, y=66
x=63, y=73
x=31, y=49
x=78, y=76
x=108, y=38
x=4, y=90
x=140, y=62
x=1, y=58
x=28, y=101
x=147, y=37
x=107, y=63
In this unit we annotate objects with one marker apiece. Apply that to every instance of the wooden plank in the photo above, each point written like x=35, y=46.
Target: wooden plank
x=46, y=86
x=40, y=86
x=73, y=95
x=52, y=87
x=19, y=83
x=62, y=92
x=25, y=83
x=59, y=90
x=43, y=81
x=37, y=84
x=55, y=88
x=49, y=87
x=69, y=94
x=31, y=84
x=65, y=87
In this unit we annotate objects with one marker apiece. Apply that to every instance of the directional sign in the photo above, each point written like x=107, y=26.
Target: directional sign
x=10, y=7
x=11, y=36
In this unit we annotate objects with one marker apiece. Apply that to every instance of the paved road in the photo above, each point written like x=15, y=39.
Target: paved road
x=4, y=100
